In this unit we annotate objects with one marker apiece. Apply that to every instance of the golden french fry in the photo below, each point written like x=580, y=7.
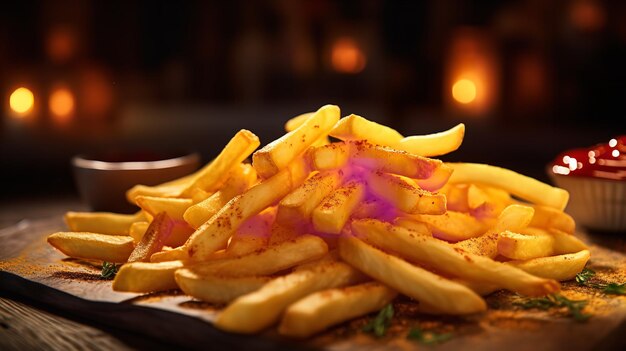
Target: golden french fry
x=513, y=218
x=180, y=232
x=524, y=247
x=334, y=211
x=297, y=206
x=175, y=208
x=268, y=303
x=388, y=160
x=213, y=235
x=356, y=127
x=172, y=188
x=297, y=121
x=453, y=226
x=561, y=267
x=109, y=248
x=102, y=222
x=154, y=238
x=486, y=202
x=326, y=308
x=216, y=289
x=415, y=226
x=276, y=155
x=562, y=243
x=415, y=282
x=144, y=277
x=176, y=254
x=548, y=217
x=269, y=260
x=198, y=195
x=456, y=197
x=241, y=179
x=252, y=235
x=437, y=180
x=403, y=194
x=282, y=232
x=329, y=157
x=517, y=184
x=435, y=144
x=447, y=259
x=137, y=230
x=374, y=208
x=215, y=173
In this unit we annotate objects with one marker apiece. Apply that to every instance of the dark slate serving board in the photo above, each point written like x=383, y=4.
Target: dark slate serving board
x=30, y=267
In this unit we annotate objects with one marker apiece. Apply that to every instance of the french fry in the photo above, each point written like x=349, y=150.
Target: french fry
x=561, y=267
x=548, y=217
x=436, y=253
x=269, y=260
x=436, y=144
x=297, y=121
x=176, y=254
x=275, y=156
x=356, y=127
x=297, y=206
x=213, y=235
x=102, y=222
x=173, y=188
x=137, y=230
x=415, y=282
x=453, y=226
x=215, y=173
x=252, y=235
x=517, y=184
x=326, y=308
x=437, y=180
x=268, y=303
x=456, y=197
x=562, y=243
x=334, y=211
x=329, y=157
x=513, y=218
x=216, y=289
x=524, y=247
x=154, y=238
x=415, y=226
x=388, y=160
x=241, y=178
x=144, y=277
x=403, y=194
x=282, y=232
x=374, y=208
x=109, y=248
x=175, y=208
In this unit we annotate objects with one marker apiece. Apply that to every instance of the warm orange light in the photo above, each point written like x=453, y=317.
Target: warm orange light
x=61, y=104
x=464, y=91
x=347, y=56
x=21, y=101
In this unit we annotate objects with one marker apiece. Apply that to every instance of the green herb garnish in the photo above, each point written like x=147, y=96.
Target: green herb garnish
x=108, y=270
x=585, y=278
x=428, y=337
x=379, y=325
x=574, y=307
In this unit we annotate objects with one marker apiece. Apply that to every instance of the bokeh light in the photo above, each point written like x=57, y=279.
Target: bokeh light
x=61, y=104
x=21, y=101
x=347, y=56
x=464, y=91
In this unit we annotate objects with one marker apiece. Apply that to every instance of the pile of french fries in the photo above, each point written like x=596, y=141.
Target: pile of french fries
x=313, y=233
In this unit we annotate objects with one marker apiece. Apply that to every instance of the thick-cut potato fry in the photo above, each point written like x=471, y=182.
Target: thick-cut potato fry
x=403, y=194
x=213, y=235
x=297, y=206
x=144, y=277
x=326, y=308
x=109, y=248
x=334, y=211
x=276, y=155
x=252, y=235
x=356, y=127
x=456, y=197
x=269, y=260
x=527, y=188
x=548, y=217
x=437, y=180
x=154, y=238
x=179, y=235
x=442, y=256
x=561, y=267
x=524, y=247
x=513, y=218
x=241, y=179
x=216, y=289
x=562, y=243
x=453, y=226
x=137, y=230
x=172, y=188
x=374, y=208
x=102, y=222
x=199, y=195
x=268, y=303
x=413, y=281
x=215, y=173
x=297, y=121
x=486, y=202
x=415, y=226
x=435, y=144
x=388, y=160
x=329, y=157
x=175, y=208
x=176, y=254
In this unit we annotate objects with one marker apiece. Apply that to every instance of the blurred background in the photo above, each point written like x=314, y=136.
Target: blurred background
x=529, y=78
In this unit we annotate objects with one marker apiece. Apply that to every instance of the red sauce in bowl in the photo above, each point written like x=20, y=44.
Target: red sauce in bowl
x=606, y=161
